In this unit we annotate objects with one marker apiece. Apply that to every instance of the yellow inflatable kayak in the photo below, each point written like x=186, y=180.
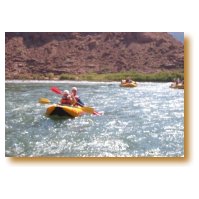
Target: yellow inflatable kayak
x=60, y=110
x=131, y=84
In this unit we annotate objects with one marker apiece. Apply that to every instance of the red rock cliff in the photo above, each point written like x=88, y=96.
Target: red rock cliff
x=77, y=53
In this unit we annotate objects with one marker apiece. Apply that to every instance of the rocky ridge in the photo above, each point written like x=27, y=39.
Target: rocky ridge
x=90, y=52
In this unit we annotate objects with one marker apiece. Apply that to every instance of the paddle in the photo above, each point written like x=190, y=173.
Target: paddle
x=44, y=101
x=84, y=108
x=56, y=90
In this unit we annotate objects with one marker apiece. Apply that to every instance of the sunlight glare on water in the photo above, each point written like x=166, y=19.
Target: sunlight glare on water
x=146, y=121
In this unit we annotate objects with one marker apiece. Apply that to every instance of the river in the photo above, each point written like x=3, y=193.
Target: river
x=146, y=121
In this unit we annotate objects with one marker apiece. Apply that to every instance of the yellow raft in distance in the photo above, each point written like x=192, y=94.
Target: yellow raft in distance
x=130, y=84
x=178, y=86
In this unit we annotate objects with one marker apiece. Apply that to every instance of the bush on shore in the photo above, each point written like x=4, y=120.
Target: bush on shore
x=154, y=77
x=165, y=76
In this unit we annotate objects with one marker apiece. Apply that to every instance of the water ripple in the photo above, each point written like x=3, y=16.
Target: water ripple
x=141, y=122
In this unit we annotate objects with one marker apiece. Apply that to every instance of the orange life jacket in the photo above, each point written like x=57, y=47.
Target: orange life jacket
x=66, y=100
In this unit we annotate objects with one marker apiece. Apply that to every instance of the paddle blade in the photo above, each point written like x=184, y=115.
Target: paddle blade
x=44, y=101
x=88, y=109
x=56, y=90
x=97, y=113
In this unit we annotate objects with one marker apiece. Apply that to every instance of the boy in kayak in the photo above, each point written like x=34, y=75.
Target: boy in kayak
x=67, y=99
x=74, y=94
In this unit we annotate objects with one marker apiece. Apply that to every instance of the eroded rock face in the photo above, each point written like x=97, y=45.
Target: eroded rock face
x=77, y=53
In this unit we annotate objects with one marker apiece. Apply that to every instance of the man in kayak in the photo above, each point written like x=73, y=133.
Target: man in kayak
x=67, y=99
x=78, y=101
x=74, y=94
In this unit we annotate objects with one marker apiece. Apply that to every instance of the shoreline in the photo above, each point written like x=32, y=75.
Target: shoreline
x=163, y=76
x=76, y=81
x=58, y=81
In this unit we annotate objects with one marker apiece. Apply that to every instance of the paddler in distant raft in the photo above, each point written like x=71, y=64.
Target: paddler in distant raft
x=128, y=80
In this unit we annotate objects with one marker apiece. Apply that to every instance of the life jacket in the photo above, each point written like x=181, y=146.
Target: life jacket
x=66, y=100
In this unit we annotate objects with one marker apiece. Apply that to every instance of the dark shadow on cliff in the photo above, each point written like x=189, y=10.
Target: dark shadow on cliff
x=38, y=39
x=32, y=39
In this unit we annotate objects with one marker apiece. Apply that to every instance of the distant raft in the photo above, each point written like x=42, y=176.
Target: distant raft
x=67, y=111
x=177, y=86
x=129, y=84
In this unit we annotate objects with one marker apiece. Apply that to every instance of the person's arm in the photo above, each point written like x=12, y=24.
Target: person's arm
x=80, y=102
x=61, y=101
x=73, y=100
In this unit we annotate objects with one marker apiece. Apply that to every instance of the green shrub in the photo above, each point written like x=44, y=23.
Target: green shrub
x=67, y=77
x=136, y=76
x=50, y=75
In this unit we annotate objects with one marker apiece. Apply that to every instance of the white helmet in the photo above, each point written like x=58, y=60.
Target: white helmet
x=74, y=89
x=66, y=92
